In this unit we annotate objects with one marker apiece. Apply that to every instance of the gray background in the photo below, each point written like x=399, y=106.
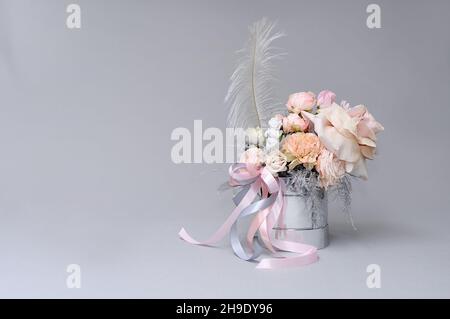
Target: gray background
x=85, y=170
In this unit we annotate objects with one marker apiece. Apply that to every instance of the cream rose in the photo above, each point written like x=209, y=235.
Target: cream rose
x=338, y=130
x=276, y=162
x=367, y=128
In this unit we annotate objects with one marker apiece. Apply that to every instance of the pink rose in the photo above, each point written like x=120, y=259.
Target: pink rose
x=303, y=101
x=294, y=123
x=326, y=98
x=254, y=156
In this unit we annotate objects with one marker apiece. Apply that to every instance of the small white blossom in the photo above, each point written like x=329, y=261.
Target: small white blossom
x=272, y=144
x=273, y=133
x=275, y=123
x=255, y=136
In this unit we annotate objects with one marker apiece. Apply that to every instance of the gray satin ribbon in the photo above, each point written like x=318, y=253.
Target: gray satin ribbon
x=248, y=211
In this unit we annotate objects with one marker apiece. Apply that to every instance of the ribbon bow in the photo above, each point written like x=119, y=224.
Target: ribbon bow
x=261, y=196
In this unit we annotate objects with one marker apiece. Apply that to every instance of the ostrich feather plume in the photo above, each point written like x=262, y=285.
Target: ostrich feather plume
x=250, y=97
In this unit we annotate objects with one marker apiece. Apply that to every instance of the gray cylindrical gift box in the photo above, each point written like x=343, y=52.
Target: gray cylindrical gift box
x=305, y=220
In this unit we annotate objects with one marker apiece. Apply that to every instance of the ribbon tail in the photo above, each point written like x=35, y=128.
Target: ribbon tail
x=252, y=209
x=223, y=230
x=276, y=263
x=306, y=254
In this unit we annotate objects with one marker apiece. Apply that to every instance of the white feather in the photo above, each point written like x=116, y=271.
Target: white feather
x=250, y=95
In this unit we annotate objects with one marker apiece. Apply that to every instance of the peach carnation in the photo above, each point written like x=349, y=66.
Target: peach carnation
x=301, y=148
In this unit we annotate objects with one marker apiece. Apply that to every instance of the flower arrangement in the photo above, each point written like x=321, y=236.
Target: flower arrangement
x=291, y=161
x=319, y=135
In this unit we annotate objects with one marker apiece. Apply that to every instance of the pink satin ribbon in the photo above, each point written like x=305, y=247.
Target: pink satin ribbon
x=262, y=197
